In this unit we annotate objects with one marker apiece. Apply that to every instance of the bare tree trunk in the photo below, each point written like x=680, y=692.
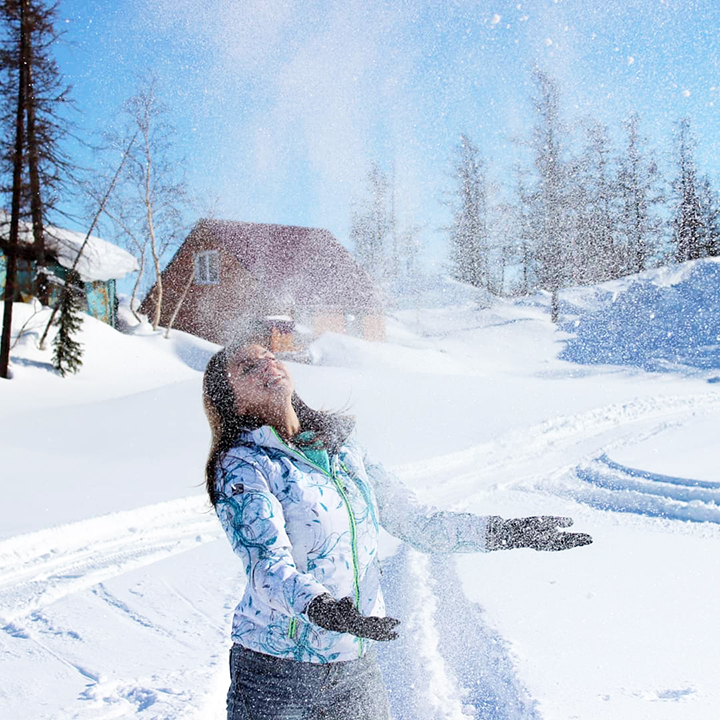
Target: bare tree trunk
x=136, y=286
x=151, y=226
x=140, y=248
x=11, y=270
x=158, y=275
x=185, y=291
x=555, y=305
x=23, y=329
x=36, y=208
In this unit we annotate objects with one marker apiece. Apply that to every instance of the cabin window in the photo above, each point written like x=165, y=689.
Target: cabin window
x=207, y=268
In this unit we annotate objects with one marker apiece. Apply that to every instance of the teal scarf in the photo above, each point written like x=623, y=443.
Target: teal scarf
x=312, y=449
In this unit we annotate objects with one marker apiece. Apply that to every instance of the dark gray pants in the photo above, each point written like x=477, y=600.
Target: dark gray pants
x=263, y=687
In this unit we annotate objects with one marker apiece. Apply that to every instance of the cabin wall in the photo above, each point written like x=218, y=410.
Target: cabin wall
x=328, y=323
x=100, y=300
x=374, y=328
x=216, y=312
x=220, y=310
x=99, y=297
x=281, y=341
x=24, y=288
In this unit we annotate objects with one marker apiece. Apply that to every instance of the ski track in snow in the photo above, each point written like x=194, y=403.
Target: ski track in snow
x=532, y=455
x=611, y=486
x=426, y=669
x=36, y=569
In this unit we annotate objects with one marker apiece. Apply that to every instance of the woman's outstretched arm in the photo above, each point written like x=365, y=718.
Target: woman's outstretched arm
x=439, y=531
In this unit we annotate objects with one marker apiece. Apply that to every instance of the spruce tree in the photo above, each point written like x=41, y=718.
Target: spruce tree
x=596, y=255
x=67, y=352
x=372, y=224
x=551, y=197
x=710, y=208
x=688, y=222
x=469, y=231
x=639, y=186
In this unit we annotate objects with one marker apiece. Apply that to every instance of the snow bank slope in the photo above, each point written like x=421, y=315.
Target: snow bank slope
x=657, y=319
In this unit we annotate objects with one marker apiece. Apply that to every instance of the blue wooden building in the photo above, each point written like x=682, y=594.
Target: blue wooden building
x=100, y=266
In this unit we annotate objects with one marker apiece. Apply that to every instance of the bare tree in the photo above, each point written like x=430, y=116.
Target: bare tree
x=178, y=305
x=147, y=209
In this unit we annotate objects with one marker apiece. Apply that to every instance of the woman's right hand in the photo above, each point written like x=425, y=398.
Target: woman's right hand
x=342, y=616
x=539, y=533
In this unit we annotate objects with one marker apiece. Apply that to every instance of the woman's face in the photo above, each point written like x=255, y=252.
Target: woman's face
x=260, y=382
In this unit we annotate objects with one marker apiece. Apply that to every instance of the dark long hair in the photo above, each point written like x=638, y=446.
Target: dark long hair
x=227, y=425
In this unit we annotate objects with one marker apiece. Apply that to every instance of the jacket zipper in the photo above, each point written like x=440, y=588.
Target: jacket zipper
x=368, y=500
x=351, y=516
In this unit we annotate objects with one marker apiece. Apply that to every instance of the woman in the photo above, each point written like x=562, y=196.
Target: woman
x=302, y=505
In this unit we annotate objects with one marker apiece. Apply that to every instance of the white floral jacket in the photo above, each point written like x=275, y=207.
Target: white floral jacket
x=302, y=532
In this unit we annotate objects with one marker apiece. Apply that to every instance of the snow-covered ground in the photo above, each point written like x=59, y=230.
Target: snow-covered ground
x=116, y=587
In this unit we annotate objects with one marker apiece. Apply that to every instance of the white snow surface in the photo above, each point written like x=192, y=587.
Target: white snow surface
x=117, y=587
x=100, y=260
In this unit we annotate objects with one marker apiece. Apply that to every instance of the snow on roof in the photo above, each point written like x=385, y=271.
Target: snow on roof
x=100, y=260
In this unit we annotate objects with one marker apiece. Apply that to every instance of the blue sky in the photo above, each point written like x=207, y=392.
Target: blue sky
x=281, y=105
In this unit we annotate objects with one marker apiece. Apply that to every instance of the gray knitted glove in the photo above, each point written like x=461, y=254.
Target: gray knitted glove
x=342, y=616
x=538, y=533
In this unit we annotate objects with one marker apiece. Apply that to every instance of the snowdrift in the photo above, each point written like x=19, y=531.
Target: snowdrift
x=656, y=320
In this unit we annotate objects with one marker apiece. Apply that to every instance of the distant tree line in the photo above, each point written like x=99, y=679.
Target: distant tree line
x=580, y=217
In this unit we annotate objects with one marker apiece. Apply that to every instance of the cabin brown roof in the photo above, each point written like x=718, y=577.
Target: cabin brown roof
x=307, y=263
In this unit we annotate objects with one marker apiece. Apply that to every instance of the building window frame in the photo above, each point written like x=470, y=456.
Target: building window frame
x=207, y=267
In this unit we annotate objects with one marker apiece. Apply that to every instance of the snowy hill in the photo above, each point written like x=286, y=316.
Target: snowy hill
x=660, y=319
x=116, y=587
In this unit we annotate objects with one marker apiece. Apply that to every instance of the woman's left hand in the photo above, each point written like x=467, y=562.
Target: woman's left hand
x=538, y=533
x=343, y=616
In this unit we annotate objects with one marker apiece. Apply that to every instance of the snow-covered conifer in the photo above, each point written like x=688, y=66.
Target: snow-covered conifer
x=688, y=221
x=67, y=352
x=640, y=193
x=551, y=199
x=468, y=232
x=373, y=226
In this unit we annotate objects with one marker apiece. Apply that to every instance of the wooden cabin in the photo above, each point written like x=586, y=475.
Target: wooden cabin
x=227, y=274
x=100, y=266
